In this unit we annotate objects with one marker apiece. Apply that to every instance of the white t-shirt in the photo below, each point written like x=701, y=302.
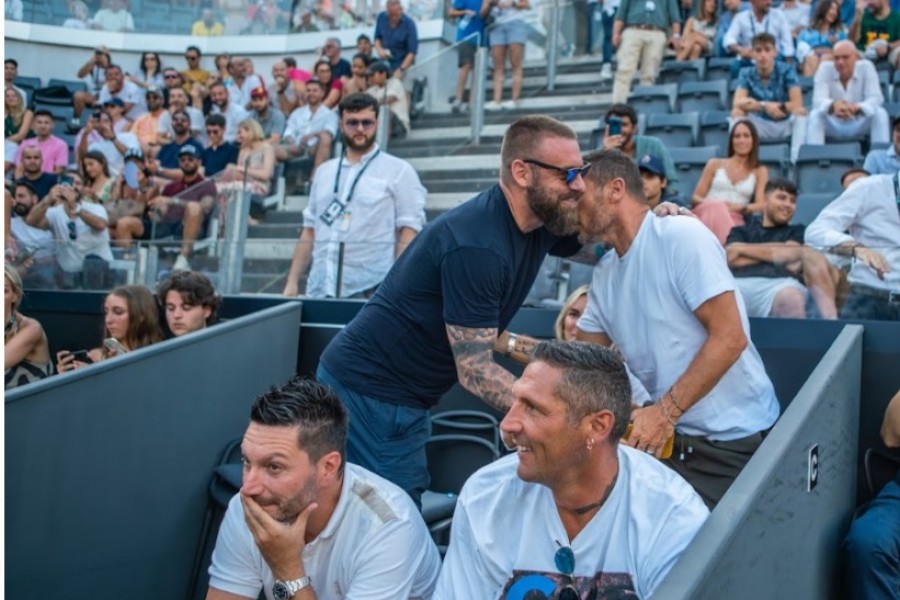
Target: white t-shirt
x=506, y=532
x=388, y=196
x=234, y=116
x=645, y=301
x=375, y=546
x=71, y=253
x=130, y=92
x=36, y=238
x=400, y=106
x=302, y=122
x=198, y=124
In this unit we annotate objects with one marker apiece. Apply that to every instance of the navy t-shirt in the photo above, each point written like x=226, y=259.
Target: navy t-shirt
x=471, y=267
x=755, y=233
x=215, y=160
x=168, y=153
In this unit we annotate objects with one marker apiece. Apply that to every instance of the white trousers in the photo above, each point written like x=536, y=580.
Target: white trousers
x=821, y=123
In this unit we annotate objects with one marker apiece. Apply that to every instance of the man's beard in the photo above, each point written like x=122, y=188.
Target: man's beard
x=287, y=511
x=21, y=209
x=557, y=219
x=180, y=129
x=361, y=147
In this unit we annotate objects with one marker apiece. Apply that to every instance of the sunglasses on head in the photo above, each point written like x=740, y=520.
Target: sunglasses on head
x=355, y=123
x=570, y=172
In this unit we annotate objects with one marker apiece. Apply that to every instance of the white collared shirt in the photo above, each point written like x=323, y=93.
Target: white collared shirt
x=867, y=211
x=303, y=121
x=744, y=26
x=388, y=196
x=863, y=87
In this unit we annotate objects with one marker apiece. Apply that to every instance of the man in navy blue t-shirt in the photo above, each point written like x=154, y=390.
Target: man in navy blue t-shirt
x=443, y=309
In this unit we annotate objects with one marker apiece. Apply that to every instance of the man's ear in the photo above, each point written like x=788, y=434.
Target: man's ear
x=601, y=423
x=330, y=464
x=520, y=173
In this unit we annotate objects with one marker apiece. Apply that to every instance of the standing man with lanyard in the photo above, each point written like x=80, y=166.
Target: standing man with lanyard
x=639, y=33
x=761, y=18
x=364, y=209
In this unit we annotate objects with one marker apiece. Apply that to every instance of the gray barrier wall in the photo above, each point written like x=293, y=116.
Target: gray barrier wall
x=107, y=468
x=769, y=537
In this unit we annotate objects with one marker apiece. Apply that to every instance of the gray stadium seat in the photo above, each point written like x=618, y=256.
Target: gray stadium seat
x=682, y=72
x=70, y=84
x=718, y=67
x=714, y=129
x=809, y=206
x=702, y=96
x=647, y=99
x=777, y=157
x=689, y=162
x=819, y=168
x=678, y=129
x=29, y=84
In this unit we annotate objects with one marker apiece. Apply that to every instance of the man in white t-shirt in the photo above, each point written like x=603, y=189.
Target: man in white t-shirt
x=80, y=230
x=310, y=129
x=389, y=90
x=130, y=93
x=665, y=296
x=222, y=104
x=307, y=525
x=573, y=509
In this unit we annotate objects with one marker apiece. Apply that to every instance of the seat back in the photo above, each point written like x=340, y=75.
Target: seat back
x=689, y=162
x=702, y=96
x=71, y=85
x=776, y=157
x=452, y=458
x=673, y=129
x=819, y=168
x=714, y=129
x=809, y=206
x=648, y=99
x=682, y=71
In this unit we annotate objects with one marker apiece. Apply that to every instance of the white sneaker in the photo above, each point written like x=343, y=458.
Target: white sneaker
x=606, y=72
x=456, y=106
x=492, y=106
x=509, y=105
x=181, y=264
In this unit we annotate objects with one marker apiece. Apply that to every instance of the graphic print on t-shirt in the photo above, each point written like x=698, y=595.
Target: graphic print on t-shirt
x=537, y=585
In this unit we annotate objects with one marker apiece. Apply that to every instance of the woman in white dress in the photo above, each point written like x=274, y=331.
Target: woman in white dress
x=731, y=189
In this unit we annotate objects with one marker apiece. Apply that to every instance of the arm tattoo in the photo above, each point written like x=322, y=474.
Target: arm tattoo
x=473, y=351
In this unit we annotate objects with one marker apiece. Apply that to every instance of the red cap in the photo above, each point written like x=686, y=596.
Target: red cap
x=259, y=92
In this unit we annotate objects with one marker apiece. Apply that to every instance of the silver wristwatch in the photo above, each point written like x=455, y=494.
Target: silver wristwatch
x=285, y=590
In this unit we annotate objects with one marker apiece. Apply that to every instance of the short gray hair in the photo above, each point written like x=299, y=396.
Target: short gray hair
x=609, y=164
x=593, y=379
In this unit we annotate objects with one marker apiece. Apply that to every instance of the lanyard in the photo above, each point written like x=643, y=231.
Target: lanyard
x=765, y=23
x=897, y=190
x=337, y=178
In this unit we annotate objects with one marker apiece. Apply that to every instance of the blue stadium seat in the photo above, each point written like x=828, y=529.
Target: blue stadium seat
x=647, y=99
x=682, y=71
x=819, y=168
x=703, y=96
x=29, y=84
x=777, y=158
x=714, y=129
x=810, y=205
x=718, y=67
x=73, y=85
x=678, y=129
x=689, y=162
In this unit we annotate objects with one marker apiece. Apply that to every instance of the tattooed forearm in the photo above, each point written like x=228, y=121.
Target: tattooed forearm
x=473, y=351
x=521, y=349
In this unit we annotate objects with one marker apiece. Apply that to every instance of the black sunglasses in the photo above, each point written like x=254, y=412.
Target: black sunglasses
x=355, y=123
x=191, y=57
x=171, y=76
x=564, y=559
x=73, y=234
x=570, y=172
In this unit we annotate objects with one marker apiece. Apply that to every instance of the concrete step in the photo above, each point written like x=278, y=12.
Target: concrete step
x=270, y=230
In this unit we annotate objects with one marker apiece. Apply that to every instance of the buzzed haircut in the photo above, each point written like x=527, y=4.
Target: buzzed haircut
x=527, y=133
x=367, y=60
x=290, y=62
x=357, y=102
x=317, y=410
x=763, y=38
x=43, y=113
x=593, y=379
x=363, y=36
x=609, y=164
x=113, y=66
x=783, y=184
x=218, y=84
x=194, y=49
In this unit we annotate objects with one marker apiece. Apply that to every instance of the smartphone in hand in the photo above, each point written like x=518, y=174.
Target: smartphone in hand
x=83, y=356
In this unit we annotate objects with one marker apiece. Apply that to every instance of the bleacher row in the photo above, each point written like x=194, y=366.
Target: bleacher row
x=688, y=110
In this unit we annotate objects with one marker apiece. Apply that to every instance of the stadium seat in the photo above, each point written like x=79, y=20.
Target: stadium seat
x=71, y=85
x=673, y=130
x=648, y=99
x=703, y=96
x=714, y=129
x=689, y=162
x=718, y=67
x=29, y=84
x=885, y=82
x=819, y=168
x=682, y=71
x=809, y=206
x=777, y=158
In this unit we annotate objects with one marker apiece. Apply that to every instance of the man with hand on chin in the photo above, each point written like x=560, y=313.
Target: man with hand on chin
x=308, y=526
x=591, y=517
